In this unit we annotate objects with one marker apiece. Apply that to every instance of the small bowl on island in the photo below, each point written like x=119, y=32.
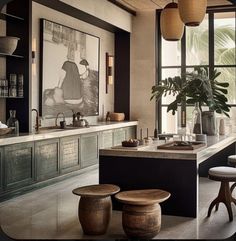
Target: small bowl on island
x=130, y=143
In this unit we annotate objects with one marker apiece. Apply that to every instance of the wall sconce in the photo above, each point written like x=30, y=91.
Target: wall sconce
x=33, y=50
x=109, y=70
x=34, y=56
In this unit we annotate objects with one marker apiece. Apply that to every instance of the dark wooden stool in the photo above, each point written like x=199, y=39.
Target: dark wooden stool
x=232, y=162
x=223, y=175
x=141, y=216
x=95, y=207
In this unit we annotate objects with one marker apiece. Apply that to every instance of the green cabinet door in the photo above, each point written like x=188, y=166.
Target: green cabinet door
x=69, y=154
x=106, y=139
x=131, y=132
x=19, y=165
x=119, y=135
x=47, y=159
x=1, y=170
x=89, y=149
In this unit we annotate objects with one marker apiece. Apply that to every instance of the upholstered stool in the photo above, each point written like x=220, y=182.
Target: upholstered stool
x=141, y=216
x=224, y=175
x=232, y=162
x=95, y=207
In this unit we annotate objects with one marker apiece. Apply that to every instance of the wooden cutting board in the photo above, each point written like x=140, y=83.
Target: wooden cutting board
x=173, y=146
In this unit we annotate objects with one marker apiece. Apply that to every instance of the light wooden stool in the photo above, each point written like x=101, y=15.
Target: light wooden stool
x=95, y=207
x=224, y=175
x=141, y=216
x=232, y=162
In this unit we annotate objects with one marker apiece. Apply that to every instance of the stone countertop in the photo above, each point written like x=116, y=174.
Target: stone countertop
x=214, y=145
x=57, y=133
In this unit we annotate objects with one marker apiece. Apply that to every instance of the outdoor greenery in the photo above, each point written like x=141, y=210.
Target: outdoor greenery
x=198, y=86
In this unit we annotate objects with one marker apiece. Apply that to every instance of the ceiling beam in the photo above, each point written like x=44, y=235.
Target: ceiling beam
x=232, y=1
x=123, y=7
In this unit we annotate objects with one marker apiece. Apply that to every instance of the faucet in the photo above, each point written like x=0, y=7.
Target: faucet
x=60, y=113
x=37, y=124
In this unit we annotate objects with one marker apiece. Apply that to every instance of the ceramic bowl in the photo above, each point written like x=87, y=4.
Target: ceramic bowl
x=4, y=131
x=8, y=44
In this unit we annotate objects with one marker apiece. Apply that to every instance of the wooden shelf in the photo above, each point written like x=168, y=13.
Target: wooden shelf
x=11, y=55
x=9, y=97
x=10, y=16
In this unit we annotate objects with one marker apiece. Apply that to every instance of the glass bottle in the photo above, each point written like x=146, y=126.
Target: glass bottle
x=13, y=123
x=197, y=119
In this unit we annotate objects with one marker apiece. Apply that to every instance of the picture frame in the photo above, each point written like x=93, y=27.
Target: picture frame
x=69, y=71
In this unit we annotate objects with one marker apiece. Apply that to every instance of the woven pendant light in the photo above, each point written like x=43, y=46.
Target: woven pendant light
x=172, y=28
x=192, y=12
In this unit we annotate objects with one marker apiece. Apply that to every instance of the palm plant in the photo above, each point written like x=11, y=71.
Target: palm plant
x=198, y=86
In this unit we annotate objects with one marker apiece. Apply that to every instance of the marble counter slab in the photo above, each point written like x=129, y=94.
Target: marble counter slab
x=213, y=146
x=57, y=133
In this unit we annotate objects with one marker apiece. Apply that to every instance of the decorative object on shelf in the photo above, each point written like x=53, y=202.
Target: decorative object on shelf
x=109, y=70
x=172, y=28
x=72, y=81
x=3, y=88
x=20, y=85
x=8, y=44
x=13, y=85
x=13, y=123
x=198, y=86
x=117, y=116
x=192, y=12
x=197, y=119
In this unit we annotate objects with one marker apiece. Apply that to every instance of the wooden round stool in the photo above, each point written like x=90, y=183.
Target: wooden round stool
x=95, y=207
x=224, y=175
x=141, y=216
x=232, y=162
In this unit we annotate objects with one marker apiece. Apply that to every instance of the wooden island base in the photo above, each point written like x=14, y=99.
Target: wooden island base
x=175, y=172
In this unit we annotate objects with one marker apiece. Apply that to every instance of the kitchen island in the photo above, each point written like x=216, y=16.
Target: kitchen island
x=176, y=171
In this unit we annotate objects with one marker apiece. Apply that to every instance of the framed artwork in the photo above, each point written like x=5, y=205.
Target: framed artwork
x=69, y=71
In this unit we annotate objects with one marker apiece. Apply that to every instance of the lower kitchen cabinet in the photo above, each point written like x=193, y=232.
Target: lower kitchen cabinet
x=89, y=149
x=19, y=165
x=69, y=154
x=131, y=132
x=1, y=170
x=106, y=139
x=119, y=135
x=47, y=159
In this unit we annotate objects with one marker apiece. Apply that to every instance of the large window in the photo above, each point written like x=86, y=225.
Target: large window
x=212, y=45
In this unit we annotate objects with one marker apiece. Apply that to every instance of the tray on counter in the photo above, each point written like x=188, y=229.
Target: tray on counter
x=176, y=145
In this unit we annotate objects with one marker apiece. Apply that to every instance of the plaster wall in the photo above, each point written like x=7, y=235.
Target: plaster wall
x=106, y=101
x=143, y=70
x=104, y=10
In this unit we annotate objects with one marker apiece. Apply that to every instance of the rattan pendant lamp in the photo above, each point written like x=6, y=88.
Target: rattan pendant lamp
x=192, y=12
x=172, y=28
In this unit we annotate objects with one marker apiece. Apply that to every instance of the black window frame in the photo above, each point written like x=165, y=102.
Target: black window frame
x=211, y=65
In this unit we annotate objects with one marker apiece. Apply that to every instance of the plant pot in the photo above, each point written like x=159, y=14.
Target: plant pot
x=209, y=123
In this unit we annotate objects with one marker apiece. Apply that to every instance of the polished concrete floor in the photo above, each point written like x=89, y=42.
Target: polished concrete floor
x=51, y=213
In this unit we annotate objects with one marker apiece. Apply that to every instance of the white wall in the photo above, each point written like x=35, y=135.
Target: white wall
x=143, y=70
x=106, y=45
x=104, y=10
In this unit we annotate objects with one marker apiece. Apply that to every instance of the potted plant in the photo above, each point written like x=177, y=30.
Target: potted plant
x=199, y=86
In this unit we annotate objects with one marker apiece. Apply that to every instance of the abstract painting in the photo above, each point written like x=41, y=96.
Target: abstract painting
x=69, y=71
